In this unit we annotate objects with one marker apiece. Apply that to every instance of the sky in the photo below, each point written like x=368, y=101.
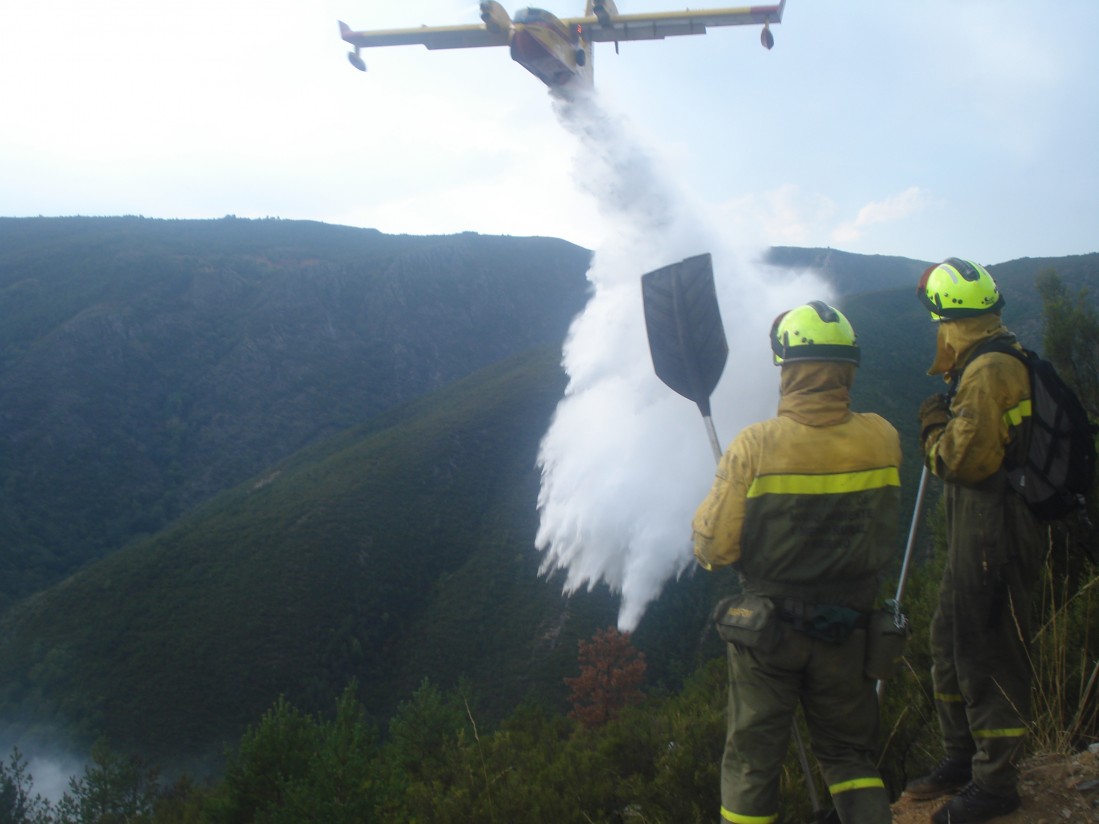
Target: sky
x=930, y=129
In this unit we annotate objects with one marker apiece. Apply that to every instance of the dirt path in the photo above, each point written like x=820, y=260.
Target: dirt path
x=1054, y=789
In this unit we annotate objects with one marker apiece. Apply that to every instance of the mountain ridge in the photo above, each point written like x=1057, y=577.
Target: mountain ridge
x=149, y=364
x=473, y=329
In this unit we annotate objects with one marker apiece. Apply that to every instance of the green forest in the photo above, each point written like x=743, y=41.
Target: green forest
x=298, y=593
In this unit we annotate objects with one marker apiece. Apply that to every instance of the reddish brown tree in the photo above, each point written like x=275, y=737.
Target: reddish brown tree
x=611, y=672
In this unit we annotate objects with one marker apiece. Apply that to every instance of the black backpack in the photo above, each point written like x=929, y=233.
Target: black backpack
x=1060, y=450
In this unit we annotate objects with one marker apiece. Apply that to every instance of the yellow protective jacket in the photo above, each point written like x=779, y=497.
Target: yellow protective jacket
x=990, y=405
x=806, y=504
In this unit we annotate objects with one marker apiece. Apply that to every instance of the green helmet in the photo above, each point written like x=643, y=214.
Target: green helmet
x=958, y=288
x=813, y=332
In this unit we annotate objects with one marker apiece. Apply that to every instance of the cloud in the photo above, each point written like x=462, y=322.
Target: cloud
x=791, y=215
x=785, y=216
x=892, y=209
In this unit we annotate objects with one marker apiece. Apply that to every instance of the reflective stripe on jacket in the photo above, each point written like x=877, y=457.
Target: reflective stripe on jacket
x=807, y=503
x=991, y=404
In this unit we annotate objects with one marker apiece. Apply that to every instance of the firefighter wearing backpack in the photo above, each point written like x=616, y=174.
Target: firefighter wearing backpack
x=980, y=661
x=805, y=507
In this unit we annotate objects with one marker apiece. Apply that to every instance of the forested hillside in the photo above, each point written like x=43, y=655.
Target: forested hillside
x=147, y=365
x=285, y=457
x=389, y=554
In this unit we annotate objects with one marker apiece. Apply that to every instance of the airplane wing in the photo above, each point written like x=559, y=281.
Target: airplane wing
x=433, y=37
x=658, y=25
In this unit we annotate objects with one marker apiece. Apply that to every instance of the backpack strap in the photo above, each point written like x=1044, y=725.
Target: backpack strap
x=1003, y=345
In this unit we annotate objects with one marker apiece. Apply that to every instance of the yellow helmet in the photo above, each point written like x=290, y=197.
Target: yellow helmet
x=958, y=288
x=813, y=332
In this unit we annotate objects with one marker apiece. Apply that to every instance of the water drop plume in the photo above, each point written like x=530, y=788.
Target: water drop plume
x=625, y=460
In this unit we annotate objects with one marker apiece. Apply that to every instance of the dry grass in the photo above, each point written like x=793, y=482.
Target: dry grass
x=1066, y=672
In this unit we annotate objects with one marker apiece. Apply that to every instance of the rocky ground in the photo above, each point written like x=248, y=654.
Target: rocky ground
x=1055, y=789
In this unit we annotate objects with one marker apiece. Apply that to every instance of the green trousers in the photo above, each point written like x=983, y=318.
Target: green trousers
x=980, y=633
x=841, y=709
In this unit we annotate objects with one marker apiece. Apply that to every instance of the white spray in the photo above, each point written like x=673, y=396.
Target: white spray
x=626, y=460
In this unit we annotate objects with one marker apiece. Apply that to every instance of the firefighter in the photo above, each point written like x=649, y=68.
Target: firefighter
x=981, y=626
x=805, y=507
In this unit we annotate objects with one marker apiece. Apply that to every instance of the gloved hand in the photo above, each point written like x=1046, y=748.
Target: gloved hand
x=934, y=414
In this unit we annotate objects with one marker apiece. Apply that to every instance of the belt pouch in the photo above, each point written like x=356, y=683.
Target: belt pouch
x=747, y=620
x=833, y=625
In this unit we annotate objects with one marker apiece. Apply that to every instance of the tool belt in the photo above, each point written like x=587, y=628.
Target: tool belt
x=751, y=620
x=827, y=623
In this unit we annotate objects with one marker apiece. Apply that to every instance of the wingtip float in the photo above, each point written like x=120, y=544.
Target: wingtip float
x=558, y=51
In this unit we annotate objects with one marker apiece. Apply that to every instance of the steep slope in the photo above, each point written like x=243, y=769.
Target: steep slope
x=149, y=364
x=399, y=551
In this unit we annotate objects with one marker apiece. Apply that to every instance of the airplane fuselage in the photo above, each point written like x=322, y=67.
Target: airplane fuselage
x=553, y=52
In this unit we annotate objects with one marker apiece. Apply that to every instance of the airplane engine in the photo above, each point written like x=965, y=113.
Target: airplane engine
x=494, y=16
x=766, y=38
x=605, y=10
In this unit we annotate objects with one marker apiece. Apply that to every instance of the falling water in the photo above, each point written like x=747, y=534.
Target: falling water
x=625, y=460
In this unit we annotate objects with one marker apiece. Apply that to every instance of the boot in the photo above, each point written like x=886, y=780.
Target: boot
x=974, y=805
x=948, y=777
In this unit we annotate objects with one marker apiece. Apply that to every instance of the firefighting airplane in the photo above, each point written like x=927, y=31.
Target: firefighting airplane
x=558, y=51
